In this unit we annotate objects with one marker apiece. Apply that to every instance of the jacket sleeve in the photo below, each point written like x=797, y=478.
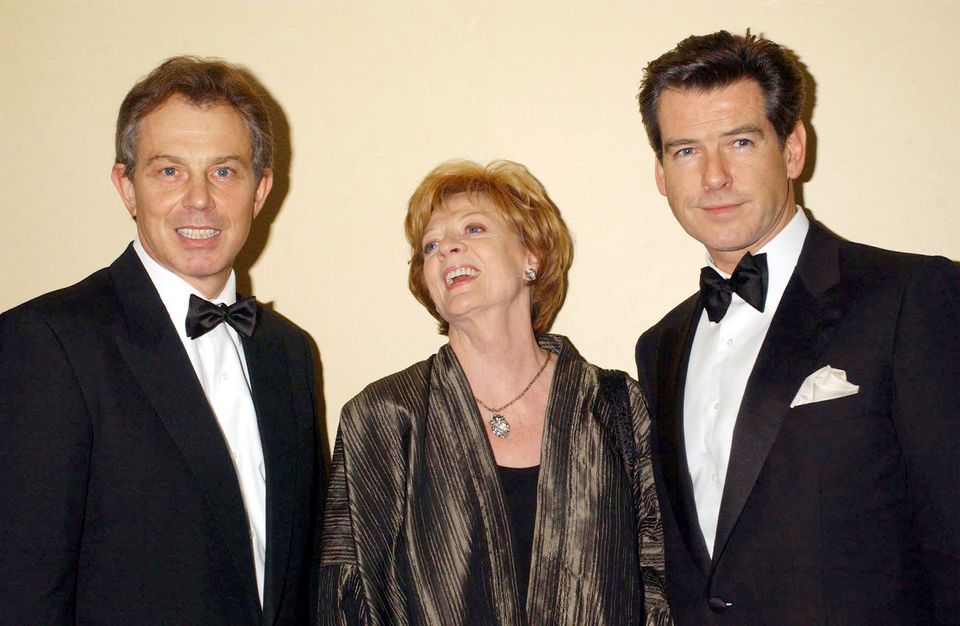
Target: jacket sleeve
x=926, y=414
x=45, y=447
x=339, y=585
x=643, y=355
x=319, y=471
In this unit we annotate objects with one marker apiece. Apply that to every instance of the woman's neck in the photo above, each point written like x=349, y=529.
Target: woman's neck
x=498, y=361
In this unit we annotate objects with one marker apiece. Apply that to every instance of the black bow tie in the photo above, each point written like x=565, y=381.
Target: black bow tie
x=204, y=316
x=749, y=281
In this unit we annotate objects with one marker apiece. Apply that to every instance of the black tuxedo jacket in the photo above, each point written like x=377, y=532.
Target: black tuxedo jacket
x=845, y=511
x=119, y=502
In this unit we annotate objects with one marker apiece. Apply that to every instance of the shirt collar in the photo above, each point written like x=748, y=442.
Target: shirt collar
x=783, y=251
x=175, y=292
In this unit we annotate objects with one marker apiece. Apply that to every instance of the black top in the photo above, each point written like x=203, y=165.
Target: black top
x=520, y=492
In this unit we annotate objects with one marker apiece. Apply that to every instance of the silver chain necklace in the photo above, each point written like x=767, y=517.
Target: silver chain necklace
x=499, y=425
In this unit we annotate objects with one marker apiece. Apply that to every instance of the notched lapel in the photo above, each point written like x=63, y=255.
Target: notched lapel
x=673, y=356
x=811, y=308
x=272, y=393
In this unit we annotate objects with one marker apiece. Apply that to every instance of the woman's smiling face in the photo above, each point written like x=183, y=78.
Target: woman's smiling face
x=474, y=261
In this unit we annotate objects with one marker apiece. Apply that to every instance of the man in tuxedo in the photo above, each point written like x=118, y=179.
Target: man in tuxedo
x=158, y=446
x=807, y=399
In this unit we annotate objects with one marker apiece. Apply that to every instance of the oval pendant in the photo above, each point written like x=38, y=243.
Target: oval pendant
x=500, y=426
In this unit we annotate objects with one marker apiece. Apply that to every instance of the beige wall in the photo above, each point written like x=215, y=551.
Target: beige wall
x=375, y=93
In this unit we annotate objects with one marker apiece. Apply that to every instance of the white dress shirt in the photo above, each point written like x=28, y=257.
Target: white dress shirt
x=721, y=359
x=221, y=368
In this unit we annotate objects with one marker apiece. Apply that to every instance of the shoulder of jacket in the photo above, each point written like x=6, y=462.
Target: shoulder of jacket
x=82, y=303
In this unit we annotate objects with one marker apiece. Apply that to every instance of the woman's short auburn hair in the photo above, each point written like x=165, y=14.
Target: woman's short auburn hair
x=522, y=202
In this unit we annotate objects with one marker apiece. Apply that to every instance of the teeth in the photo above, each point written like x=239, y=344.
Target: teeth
x=197, y=233
x=460, y=271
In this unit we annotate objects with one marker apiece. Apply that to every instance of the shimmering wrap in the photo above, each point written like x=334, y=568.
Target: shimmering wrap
x=416, y=530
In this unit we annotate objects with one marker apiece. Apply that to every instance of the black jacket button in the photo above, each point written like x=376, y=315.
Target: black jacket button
x=718, y=604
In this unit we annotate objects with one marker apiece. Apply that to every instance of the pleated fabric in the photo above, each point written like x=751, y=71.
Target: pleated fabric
x=416, y=530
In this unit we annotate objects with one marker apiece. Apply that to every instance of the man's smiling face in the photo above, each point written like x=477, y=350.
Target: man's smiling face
x=724, y=173
x=194, y=193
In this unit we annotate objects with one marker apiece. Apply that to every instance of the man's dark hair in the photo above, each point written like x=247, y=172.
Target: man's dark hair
x=706, y=62
x=202, y=82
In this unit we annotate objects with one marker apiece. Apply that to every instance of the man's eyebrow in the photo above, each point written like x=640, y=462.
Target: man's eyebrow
x=163, y=157
x=174, y=159
x=229, y=157
x=746, y=129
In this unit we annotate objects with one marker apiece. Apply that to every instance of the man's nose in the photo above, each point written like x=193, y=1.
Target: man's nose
x=198, y=195
x=716, y=174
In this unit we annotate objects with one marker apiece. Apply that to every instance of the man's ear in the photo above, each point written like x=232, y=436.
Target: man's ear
x=264, y=185
x=795, y=150
x=125, y=187
x=658, y=174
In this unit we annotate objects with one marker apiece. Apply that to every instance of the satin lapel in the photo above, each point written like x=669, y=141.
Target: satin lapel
x=273, y=399
x=155, y=356
x=812, y=305
x=673, y=357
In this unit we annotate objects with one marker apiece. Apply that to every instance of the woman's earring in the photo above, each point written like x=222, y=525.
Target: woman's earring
x=531, y=274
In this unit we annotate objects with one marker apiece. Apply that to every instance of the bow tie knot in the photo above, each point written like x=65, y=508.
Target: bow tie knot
x=203, y=316
x=749, y=281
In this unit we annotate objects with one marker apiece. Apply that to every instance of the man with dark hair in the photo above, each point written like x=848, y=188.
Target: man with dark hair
x=807, y=400
x=158, y=445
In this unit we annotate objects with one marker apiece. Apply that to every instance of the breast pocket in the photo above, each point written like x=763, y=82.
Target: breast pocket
x=825, y=412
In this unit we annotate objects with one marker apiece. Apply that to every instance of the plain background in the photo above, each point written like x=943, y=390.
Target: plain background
x=368, y=96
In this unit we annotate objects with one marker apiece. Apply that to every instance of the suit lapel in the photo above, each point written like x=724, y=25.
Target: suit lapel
x=810, y=309
x=155, y=355
x=272, y=398
x=673, y=358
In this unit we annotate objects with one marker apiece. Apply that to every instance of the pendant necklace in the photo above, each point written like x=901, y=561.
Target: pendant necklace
x=499, y=425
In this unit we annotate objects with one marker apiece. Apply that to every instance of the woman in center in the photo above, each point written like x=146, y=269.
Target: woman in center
x=504, y=480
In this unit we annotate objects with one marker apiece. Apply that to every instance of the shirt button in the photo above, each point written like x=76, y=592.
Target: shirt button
x=730, y=341
x=713, y=477
x=224, y=376
x=716, y=406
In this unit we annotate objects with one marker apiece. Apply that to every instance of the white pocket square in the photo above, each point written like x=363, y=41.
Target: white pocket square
x=826, y=383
